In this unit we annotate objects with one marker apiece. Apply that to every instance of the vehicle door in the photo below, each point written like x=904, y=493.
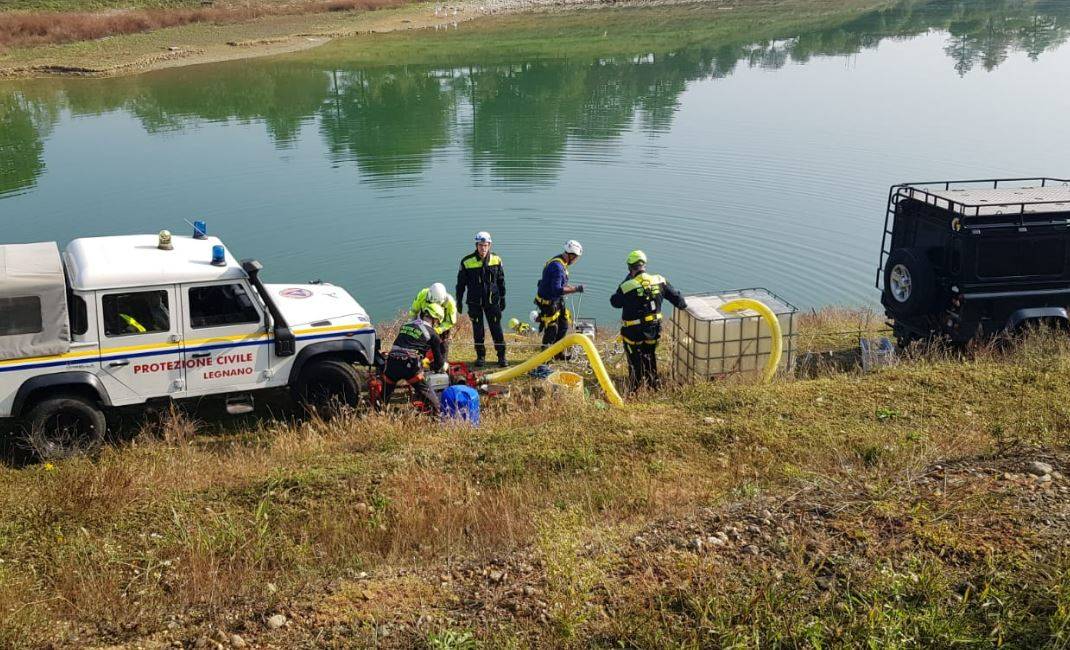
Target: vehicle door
x=227, y=344
x=140, y=349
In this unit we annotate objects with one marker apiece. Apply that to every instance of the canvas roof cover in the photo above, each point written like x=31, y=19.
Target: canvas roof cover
x=33, y=302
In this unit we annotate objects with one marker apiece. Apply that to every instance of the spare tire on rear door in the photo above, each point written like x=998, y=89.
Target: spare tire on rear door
x=909, y=282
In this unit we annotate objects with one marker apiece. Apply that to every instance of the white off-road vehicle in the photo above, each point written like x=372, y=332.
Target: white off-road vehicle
x=134, y=320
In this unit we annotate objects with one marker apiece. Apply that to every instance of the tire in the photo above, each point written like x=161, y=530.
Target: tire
x=64, y=426
x=909, y=282
x=327, y=384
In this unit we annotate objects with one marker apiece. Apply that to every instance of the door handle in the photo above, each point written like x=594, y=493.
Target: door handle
x=202, y=355
x=118, y=364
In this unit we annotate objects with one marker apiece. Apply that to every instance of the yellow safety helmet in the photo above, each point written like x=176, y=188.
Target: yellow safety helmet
x=435, y=310
x=636, y=257
x=514, y=323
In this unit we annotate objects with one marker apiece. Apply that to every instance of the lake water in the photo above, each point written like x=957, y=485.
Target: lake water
x=736, y=150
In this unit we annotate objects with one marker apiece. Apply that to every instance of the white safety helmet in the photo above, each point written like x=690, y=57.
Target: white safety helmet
x=574, y=247
x=437, y=293
x=482, y=236
x=534, y=316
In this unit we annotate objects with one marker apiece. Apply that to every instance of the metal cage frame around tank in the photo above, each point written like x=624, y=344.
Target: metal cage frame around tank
x=690, y=370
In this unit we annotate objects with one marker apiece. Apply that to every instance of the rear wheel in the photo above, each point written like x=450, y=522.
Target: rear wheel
x=909, y=282
x=59, y=427
x=327, y=385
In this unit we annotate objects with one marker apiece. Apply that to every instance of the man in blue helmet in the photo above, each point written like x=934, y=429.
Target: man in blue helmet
x=640, y=297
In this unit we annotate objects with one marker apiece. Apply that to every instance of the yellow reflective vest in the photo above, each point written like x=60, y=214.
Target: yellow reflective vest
x=423, y=299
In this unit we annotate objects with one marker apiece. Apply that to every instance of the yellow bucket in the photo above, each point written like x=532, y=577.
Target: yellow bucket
x=566, y=381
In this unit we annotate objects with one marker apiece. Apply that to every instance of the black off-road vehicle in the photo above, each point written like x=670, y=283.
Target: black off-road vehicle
x=961, y=259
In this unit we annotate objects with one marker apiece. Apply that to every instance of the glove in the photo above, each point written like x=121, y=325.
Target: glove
x=579, y=288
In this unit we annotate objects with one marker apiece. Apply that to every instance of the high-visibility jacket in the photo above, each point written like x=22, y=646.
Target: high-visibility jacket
x=132, y=322
x=483, y=279
x=639, y=298
x=423, y=299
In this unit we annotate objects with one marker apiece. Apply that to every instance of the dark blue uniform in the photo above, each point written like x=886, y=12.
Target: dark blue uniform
x=554, y=317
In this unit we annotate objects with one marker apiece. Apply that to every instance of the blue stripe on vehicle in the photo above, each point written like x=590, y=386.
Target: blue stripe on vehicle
x=50, y=364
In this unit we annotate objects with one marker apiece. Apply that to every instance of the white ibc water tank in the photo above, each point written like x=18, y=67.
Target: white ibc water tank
x=709, y=343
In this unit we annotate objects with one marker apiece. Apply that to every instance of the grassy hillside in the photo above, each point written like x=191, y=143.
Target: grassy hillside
x=893, y=508
x=62, y=21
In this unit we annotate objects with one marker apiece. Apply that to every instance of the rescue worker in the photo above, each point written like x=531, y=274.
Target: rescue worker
x=405, y=359
x=640, y=297
x=482, y=277
x=437, y=294
x=554, y=317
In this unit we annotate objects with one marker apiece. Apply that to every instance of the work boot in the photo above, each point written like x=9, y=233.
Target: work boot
x=502, y=363
x=480, y=362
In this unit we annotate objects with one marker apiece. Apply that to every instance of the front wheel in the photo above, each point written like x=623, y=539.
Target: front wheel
x=327, y=384
x=59, y=427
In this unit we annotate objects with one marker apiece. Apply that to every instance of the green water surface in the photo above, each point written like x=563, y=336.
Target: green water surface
x=738, y=148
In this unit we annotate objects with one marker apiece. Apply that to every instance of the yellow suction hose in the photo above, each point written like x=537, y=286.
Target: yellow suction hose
x=581, y=340
x=599, y=368
x=739, y=304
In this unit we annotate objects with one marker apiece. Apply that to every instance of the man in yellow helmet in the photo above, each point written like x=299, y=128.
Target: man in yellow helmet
x=640, y=297
x=404, y=362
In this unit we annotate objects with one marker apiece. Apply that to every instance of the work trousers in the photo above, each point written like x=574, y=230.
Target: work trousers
x=406, y=367
x=642, y=365
x=641, y=348
x=554, y=320
x=492, y=316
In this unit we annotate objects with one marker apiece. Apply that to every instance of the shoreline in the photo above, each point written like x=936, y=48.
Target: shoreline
x=202, y=43
x=206, y=43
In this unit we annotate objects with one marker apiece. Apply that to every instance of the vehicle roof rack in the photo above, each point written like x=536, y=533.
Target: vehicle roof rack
x=991, y=197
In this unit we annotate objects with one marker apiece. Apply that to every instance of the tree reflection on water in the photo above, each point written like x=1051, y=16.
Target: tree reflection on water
x=515, y=121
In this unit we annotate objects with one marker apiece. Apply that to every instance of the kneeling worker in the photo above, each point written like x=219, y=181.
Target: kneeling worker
x=554, y=317
x=640, y=297
x=436, y=294
x=405, y=359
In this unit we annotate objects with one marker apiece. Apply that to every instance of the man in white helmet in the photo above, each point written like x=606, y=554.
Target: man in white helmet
x=437, y=294
x=554, y=317
x=482, y=277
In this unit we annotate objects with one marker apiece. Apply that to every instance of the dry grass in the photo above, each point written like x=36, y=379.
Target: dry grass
x=218, y=532
x=48, y=27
